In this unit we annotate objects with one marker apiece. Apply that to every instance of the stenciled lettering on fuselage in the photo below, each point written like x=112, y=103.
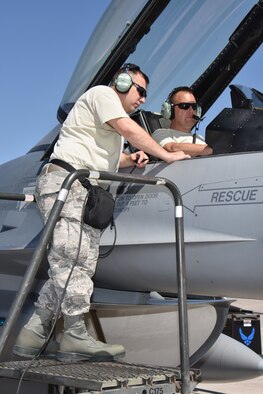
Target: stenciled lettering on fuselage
x=210, y=196
x=127, y=201
x=234, y=196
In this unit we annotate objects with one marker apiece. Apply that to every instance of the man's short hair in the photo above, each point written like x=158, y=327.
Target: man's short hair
x=130, y=67
x=180, y=89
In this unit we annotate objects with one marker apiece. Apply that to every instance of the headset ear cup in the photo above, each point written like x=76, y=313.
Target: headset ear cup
x=167, y=110
x=123, y=82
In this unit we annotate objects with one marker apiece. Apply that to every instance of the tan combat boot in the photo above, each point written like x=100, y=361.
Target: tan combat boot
x=77, y=345
x=33, y=335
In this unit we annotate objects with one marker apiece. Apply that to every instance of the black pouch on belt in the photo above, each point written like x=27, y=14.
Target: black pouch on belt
x=98, y=212
x=99, y=208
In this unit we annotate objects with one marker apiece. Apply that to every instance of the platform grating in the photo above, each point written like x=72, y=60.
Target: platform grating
x=94, y=376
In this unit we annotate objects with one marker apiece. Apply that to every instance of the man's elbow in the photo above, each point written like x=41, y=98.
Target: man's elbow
x=210, y=150
x=207, y=151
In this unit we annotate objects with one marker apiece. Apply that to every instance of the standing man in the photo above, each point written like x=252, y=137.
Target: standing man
x=91, y=137
x=183, y=110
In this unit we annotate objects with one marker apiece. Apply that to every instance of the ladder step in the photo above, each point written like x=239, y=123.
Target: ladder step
x=97, y=376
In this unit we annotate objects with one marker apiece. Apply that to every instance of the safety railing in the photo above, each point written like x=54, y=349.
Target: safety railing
x=40, y=251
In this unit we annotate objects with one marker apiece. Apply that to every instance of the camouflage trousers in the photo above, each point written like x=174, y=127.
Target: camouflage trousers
x=64, y=245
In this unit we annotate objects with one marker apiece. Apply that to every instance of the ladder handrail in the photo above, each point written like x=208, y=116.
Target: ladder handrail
x=40, y=250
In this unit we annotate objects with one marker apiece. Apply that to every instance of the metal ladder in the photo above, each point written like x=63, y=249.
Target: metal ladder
x=185, y=374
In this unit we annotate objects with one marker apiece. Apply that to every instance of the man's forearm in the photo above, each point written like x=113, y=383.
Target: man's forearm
x=189, y=148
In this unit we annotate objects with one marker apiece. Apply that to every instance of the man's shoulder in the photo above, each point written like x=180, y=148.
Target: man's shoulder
x=101, y=89
x=102, y=95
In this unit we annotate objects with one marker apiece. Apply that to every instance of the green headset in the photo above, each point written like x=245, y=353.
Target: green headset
x=167, y=109
x=123, y=82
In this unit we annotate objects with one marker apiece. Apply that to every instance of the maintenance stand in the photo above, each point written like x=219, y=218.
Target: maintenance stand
x=104, y=377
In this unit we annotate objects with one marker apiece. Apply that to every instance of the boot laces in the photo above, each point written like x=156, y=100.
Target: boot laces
x=94, y=340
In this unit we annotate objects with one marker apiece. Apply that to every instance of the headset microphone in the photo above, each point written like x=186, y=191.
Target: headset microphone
x=198, y=118
x=198, y=115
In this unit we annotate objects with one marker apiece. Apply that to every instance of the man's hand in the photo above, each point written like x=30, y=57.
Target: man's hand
x=139, y=158
x=174, y=156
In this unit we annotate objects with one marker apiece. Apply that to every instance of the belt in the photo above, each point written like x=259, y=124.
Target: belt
x=68, y=167
x=63, y=164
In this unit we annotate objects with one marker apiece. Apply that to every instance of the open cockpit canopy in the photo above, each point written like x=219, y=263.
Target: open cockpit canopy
x=199, y=43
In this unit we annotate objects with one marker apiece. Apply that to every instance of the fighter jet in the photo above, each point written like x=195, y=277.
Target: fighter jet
x=202, y=44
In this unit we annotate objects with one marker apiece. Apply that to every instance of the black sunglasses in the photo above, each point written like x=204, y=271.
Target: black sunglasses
x=142, y=92
x=186, y=106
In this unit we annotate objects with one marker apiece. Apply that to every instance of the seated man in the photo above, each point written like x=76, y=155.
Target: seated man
x=181, y=107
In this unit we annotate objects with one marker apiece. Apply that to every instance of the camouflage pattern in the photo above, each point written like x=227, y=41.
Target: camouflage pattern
x=63, y=248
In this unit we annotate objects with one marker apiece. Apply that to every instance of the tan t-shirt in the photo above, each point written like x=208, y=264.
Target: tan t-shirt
x=86, y=140
x=164, y=136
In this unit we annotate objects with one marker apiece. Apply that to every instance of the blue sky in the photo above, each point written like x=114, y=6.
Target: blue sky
x=41, y=44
